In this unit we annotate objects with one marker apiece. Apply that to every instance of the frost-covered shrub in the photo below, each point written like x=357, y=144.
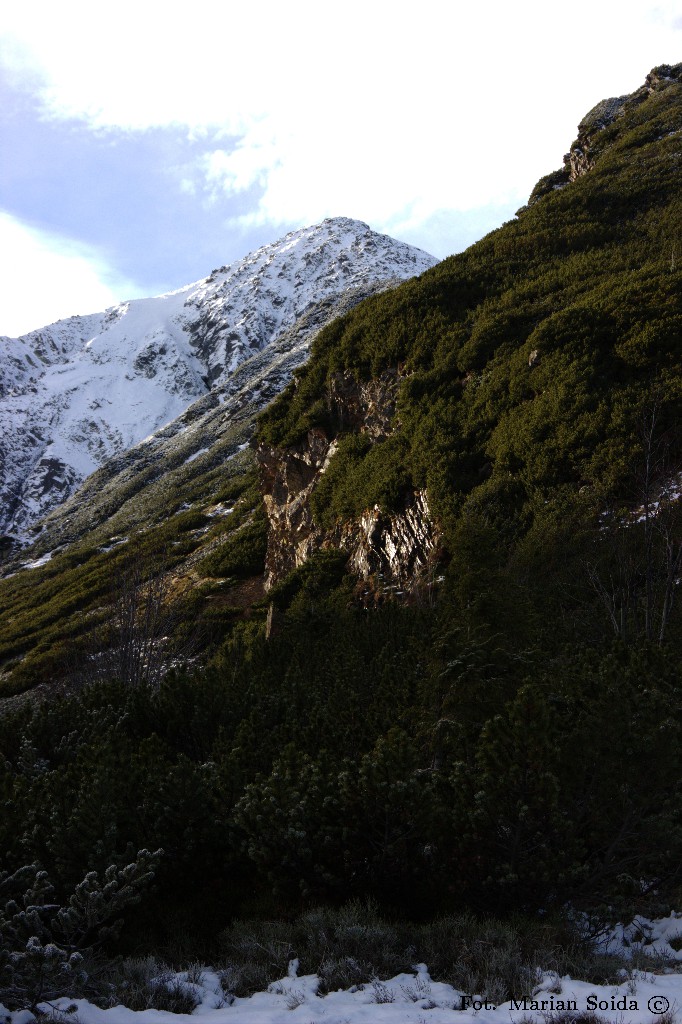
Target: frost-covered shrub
x=39, y=972
x=350, y=945
x=354, y=945
x=42, y=942
x=381, y=992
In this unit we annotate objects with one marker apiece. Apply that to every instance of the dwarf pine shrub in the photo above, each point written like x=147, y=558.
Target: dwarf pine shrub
x=42, y=942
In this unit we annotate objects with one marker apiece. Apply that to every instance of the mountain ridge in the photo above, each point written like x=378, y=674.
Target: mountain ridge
x=80, y=391
x=524, y=364
x=518, y=371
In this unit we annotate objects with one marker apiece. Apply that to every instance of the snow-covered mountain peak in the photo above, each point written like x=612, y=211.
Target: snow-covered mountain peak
x=81, y=390
x=264, y=293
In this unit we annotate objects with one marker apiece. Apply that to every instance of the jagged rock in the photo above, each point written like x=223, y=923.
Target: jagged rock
x=288, y=479
x=398, y=547
x=369, y=408
x=587, y=147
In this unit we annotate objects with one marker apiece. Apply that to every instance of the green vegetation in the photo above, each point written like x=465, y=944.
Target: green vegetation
x=43, y=944
x=527, y=361
x=505, y=742
x=243, y=554
x=53, y=616
x=388, y=755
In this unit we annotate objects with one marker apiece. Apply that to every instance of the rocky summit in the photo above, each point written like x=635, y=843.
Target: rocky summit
x=86, y=389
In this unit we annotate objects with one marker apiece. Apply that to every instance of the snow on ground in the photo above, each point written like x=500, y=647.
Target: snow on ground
x=43, y=560
x=221, y=509
x=195, y=455
x=406, y=999
x=659, y=938
x=642, y=997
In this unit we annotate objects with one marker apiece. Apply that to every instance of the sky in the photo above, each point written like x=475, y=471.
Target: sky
x=145, y=143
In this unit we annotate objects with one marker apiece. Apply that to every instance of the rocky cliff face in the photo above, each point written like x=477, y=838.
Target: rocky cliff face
x=591, y=142
x=397, y=550
x=400, y=551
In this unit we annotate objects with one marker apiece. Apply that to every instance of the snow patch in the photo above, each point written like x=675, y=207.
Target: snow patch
x=408, y=998
x=191, y=458
x=43, y=560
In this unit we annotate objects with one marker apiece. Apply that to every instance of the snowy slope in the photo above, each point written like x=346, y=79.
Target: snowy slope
x=76, y=393
x=131, y=490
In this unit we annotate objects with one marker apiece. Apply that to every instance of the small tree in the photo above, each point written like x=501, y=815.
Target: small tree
x=42, y=942
x=140, y=626
x=139, y=643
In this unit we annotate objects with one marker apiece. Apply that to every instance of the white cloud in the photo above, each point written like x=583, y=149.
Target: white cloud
x=365, y=109
x=46, y=277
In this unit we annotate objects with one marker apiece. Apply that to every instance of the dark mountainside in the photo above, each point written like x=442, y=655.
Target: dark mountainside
x=433, y=659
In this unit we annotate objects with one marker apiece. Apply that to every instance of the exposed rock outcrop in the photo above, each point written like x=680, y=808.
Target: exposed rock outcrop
x=368, y=407
x=590, y=142
x=288, y=479
x=399, y=548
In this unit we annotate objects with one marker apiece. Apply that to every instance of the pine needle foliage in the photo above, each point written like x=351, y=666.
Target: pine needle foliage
x=42, y=943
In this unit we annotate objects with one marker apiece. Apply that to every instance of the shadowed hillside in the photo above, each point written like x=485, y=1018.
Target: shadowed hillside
x=438, y=643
